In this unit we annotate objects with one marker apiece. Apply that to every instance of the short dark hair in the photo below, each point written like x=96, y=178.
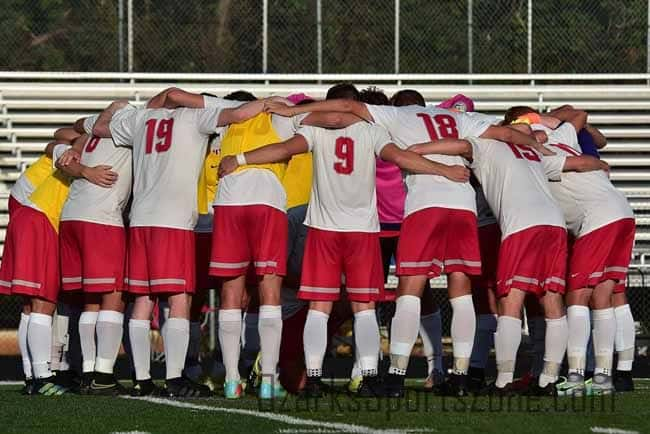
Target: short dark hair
x=343, y=91
x=515, y=112
x=373, y=95
x=240, y=95
x=407, y=97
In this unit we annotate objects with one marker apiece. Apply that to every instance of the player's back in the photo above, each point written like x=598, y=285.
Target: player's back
x=90, y=202
x=343, y=191
x=169, y=147
x=514, y=180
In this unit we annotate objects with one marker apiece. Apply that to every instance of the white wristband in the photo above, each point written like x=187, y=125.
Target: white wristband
x=241, y=159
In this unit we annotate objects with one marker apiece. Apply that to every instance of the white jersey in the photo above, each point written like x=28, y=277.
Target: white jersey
x=415, y=124
x=588, y=199
x=169, y=148
x=92, y=203
x=22, y=189
x=257, y=186
x=515, y=182
x=343, y=193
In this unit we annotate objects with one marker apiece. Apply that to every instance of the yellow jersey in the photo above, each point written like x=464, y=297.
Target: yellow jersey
x=297, y=180
x=50, y=196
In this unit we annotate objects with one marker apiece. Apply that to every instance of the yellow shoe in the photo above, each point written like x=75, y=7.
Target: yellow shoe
x=354, y=384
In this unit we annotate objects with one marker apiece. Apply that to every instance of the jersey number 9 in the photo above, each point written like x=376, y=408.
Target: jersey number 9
x=345, y=153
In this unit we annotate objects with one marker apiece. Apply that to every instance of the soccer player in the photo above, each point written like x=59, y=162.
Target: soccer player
x=93, y=255
x=532, y=256
x=434, y=206
x=343, y=232
x=30, y=266
x=600, y=254
x=169, y=147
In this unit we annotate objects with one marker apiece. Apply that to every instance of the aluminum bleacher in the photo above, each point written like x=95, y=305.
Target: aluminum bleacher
x=33, y=105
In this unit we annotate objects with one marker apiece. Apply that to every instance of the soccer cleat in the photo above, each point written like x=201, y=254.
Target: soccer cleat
x=522, y=384
x=394, y=386
x=354, y=384
x=371, y=387
x=573, y=385
x=145, y=388
x=106, y=385
x=506, y=391
x=233, y=389
x=271, y=391
x=181, y=387
x=456, y=385
x=84, y=384
x=475, y=379
x=255, y=376
x=48, y=387
x=623, y=381
x=602, y=384
x=434, y=380
x=536, y=390
x=28, y=388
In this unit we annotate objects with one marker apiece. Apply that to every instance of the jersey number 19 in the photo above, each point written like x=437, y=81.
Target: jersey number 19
x=162, y=130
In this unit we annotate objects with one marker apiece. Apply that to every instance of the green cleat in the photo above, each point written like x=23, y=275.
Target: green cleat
x=233, y=389
x=272, y=391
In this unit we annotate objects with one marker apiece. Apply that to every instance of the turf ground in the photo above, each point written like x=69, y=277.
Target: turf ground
x=617, y=414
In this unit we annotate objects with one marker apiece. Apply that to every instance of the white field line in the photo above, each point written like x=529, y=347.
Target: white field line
x=282, y=418
x=131, y=432
x=602, y=430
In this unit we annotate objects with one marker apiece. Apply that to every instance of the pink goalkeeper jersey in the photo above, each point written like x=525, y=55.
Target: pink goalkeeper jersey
x=391, y=192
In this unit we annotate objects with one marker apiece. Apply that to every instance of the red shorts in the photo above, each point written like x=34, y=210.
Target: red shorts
x=533, y=260
x=161, y=260
x=489, y=238
x=30, y=263
x=603, y=254
x=93, y=256
x=434, y=239
x=13, y=205
x=245, y=234
x=329, y=255
x=203, y=249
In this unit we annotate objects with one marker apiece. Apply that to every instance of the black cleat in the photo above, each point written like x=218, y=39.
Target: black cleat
x=84, y=384
x=106, y=385
x=145, y=388
x=67, y=379
x=48, y=387
x=371, y=387
x=623, y=381
x=456, y=385
x=314, y=388
x=476, y=379
x=181, y=387
x=394, y=386
x=534, y=389
x=492, y=390
x=28, y=388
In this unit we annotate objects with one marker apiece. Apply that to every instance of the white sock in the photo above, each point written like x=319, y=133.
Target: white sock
x=250, y=336
x=39, y=342
x=356, y=368
x=22, y=344
x=140, y=347
x=463, y=328
x=60, y=337
x=87, y=323
x=366, y=337
x=557, y=335
x=604, y=330
x=229, y=334
x=315, y=341
x=404, y=331
x=431, y=333
x=483, y=340
x=537, y=333
x=625, y=336
x=270, y=333
x=506, y=344
x=176, y=337
x=109, y=338
x=579, y=331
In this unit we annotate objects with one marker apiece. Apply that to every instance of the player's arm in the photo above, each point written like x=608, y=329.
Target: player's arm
x=577, y=118
x=598, y=137
x=414, y=163
x=356, y=108
x=173, y=97
x=444, y=147
x=331, y=119
x=584, y=163
x=509, y=134
x=275, y=152
x=245, y=111
x=99, y=175
x=67, y=134
x=101, y=127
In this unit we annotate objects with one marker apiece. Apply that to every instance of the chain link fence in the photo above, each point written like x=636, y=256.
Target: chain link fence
x=313, y=36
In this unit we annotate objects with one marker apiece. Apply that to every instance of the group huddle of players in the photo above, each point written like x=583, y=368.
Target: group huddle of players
x=311, y=200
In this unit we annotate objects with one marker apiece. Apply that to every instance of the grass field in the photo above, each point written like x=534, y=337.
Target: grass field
x=420, y=413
